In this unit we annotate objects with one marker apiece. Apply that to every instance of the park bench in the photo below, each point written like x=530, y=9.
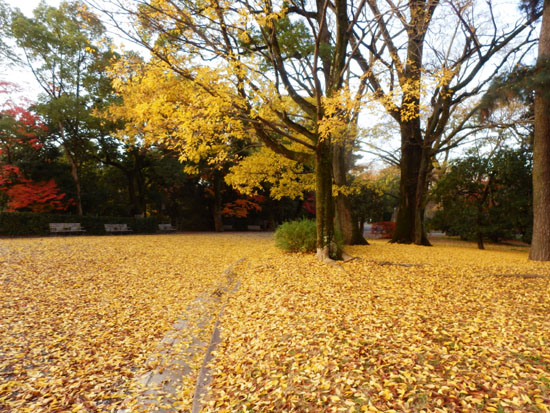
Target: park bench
x=117, y=228
x=166, y=228
x=66, y=228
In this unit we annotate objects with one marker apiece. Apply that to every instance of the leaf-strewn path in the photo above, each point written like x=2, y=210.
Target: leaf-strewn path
x=404, y=328
x=81, y=316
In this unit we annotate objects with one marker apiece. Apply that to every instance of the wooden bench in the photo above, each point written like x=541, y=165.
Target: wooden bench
x=66, y=228
x=166, y=228
x=117, y=228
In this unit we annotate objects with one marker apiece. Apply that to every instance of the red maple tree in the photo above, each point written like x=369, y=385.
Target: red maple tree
x=25, y=194
x=20, y=128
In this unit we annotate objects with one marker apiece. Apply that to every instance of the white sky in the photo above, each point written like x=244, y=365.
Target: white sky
x=21, y=76
x=27, y=6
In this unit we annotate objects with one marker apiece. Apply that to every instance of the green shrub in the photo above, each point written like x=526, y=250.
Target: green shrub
x=296, y=236
x=301, y=236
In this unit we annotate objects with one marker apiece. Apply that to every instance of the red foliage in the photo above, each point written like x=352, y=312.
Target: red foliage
x=21, y=128
x=24, y=194
x=241, y=207
x=385, y=229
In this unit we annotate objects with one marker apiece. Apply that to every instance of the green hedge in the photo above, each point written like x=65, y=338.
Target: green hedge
x=30, y=223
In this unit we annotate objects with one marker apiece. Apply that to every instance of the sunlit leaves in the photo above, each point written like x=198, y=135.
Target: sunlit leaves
x=285, y=178
x=165, y=108
x=407, y=328
x=81, y=318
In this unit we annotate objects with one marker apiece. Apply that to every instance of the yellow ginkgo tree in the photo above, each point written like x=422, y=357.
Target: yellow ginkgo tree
x=158, y=107
x=278, y=72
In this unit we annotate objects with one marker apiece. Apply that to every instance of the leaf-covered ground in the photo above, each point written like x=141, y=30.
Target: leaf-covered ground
x=81, y=316
x=404, y=327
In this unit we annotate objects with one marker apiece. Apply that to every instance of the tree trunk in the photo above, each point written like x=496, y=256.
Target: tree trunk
x=410, y=214
x=415, y=159
x=479, y=219
x=142, y=205
x=76, y=179
x=217, y=210
x=420, y=237
x=480, y=241
x=540, y=245
x=324, y=205
x=347, y=220
x=132, y=194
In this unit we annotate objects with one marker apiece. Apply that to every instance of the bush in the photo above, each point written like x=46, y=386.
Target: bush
x=32, y=223
x=301, y=236
x=297, y=236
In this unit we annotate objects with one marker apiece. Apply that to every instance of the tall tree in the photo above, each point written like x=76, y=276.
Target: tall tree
x=62, y=47
x=266, y=53
x=540, y=245
x=425, y=60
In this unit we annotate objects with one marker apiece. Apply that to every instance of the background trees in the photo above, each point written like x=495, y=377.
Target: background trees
x=24, y=182
x=281, y=67
x=486, y=196
x=64, y=47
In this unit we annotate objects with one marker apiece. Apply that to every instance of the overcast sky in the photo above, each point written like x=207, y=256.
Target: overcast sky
x=27, y=6
x=22, y=76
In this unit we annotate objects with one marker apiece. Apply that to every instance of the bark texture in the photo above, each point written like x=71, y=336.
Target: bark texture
x=324, y=204
x=540, y=244
x=76, y=179
x=415, y=151
x=409, y=227
x=347, y=220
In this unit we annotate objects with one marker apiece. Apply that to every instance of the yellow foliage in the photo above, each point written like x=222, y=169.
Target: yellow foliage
x=285, y=177
x=335, y=124
x=160, y=106
x=80, y=317
x=404, y=328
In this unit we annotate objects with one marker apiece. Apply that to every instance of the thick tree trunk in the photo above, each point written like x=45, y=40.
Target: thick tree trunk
x=142, y=205
x=76, y=180
x=347, y=220
x=324, y=204
x=414, y=156
x=132, y=194
x=540, y=244
x=217, y=209
x=479, y=221
x=409, y=227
